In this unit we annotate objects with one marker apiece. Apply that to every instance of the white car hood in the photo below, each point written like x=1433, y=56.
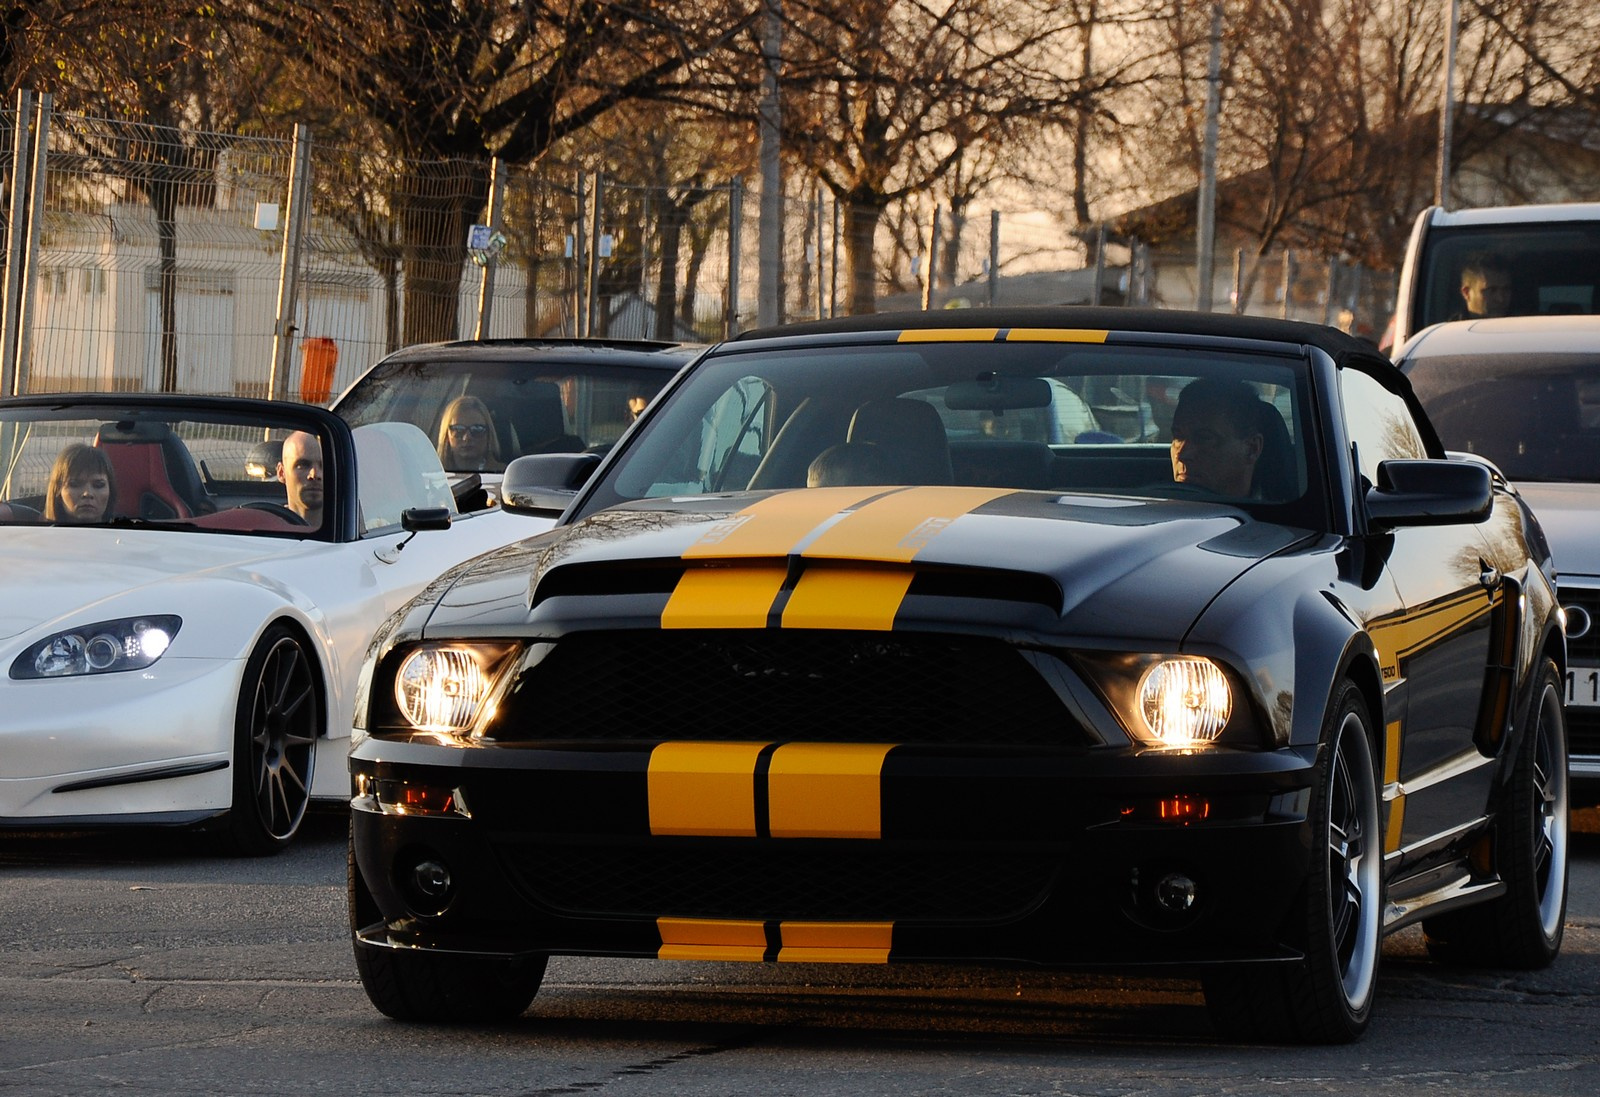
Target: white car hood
x=55, y=571
x=1570, y=515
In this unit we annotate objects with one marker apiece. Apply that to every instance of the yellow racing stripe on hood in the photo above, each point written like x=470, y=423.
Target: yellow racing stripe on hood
x=896, y=527
x=723, y=597
x=848, y=598
x=775, y=525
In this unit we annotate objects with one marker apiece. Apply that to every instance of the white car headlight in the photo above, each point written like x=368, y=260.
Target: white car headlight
x=446, y=687
x=105, y=647
x=1185, y=701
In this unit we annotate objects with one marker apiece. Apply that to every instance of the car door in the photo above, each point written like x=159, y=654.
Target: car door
x=1435, y=652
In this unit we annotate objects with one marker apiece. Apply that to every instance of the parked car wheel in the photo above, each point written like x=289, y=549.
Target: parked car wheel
x=1522, y=928
x=275, y=732
x=1326, y=998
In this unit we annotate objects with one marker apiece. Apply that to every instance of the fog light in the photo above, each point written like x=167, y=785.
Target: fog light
x=433, y=879
x=1175, y=892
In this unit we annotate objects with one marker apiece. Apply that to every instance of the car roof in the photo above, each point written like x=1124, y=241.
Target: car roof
x=1506, y=337
x=628, y=352
x=1516, y=215
x=1089, y=317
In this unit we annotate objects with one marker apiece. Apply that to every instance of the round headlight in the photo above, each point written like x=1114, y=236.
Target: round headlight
x=440, y=689
x=1185, y=701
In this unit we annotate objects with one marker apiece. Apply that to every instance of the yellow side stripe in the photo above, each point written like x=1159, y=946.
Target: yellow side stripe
x=775, y=525
x=1391, y=780
x=723, y=597
x=826, y=790
x=703, y=788
x=1398, y=637
x=847, y=598
x=896, y=527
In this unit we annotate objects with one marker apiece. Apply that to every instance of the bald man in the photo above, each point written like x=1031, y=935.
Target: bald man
x=300, y=469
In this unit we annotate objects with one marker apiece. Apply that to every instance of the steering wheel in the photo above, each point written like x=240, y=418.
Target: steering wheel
x=275, y=508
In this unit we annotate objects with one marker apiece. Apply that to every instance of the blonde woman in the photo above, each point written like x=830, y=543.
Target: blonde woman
x=467, y=438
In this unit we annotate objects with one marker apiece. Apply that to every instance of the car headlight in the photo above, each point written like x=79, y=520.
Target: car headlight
x=447, y=687
x=1185, y=701
x=105, y=647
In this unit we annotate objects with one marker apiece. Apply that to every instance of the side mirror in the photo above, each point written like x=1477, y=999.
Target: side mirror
x=416, y=519
x=1429, y=493
x=544, y=483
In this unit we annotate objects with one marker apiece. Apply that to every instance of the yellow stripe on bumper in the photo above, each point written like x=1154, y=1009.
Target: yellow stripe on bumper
x=847, y=598
x=826, y=790
x=712, y=597
x=708, y=939
x=836, y=942
x=703, y=788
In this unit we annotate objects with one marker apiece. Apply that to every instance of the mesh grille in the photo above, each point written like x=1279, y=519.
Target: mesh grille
x=812, y=685
x=855, y=882
x=1587, y=646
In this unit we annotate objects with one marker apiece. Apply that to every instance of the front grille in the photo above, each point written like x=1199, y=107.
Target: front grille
x=775, y=684
x=828, y=882
x=1586, y=647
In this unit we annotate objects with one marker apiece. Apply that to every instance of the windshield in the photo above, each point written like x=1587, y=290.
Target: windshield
x=1528, y=270
x=168, y=466
x=1048, y=416
x=482, y=414
x=1537, y=416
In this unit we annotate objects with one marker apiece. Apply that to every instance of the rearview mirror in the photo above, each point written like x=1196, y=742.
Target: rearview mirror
x=993, y=392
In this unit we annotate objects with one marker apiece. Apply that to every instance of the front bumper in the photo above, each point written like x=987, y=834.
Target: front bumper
x=1077, y=859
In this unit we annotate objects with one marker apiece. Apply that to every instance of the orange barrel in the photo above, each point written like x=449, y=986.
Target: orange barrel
x=318, y=357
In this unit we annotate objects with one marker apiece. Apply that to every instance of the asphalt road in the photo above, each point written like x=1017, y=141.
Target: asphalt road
x=137, y=965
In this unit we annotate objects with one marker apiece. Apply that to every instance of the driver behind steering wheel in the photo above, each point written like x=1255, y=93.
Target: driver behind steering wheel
x=300, y=469
x=1216, y=437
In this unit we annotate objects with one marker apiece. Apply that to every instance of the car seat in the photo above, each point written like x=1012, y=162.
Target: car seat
x=154, y=475
x=911, y=434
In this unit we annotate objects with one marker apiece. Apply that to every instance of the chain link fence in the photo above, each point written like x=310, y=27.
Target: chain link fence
x=147, y=258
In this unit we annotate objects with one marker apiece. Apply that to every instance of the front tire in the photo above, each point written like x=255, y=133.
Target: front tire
x=1326, y=997
x=276, y=726
x=413, y=985
x=1523, y=927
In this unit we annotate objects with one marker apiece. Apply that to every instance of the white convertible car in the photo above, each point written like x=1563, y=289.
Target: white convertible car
x=187, y=588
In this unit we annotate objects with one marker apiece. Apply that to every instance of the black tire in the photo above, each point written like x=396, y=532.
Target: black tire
x=1327, y=997
x=412, y=985
x=276, y=726
x=1523, y=927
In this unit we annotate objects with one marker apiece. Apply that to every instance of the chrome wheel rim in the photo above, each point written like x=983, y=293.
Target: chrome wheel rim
x=1355, y=862
x=1550, y=812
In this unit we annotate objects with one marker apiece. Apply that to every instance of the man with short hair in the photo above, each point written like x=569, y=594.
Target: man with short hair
x=301, y=471
x=1485, y=290
x=1216, y=436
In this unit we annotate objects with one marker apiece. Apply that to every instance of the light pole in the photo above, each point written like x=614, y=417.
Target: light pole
x=1441, y=182
x=1206, y=214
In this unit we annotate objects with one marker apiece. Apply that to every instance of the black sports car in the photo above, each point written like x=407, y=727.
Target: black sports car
x=1074, y=637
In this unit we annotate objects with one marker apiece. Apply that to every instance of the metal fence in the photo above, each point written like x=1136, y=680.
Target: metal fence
x=139, y=257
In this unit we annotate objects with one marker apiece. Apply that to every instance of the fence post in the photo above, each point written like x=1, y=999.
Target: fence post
x=11, y=301
x=994, y=257
x=1099, y=264
x=933, y=261
x=591, y=288
x=1238, y=281
x=730, y=316
x=30, y=272
x=575, y=265
x=819, y=208
x=497, y=199
x=1288, y=279
x=283, y=328
x=833, y=258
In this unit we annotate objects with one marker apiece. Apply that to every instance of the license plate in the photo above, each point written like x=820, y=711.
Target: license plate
x=1583, y=687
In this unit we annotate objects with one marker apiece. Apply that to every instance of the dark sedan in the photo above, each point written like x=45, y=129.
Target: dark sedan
x=854, y=651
